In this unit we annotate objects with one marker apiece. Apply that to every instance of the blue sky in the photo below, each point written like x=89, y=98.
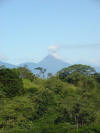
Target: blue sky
x=68, y=29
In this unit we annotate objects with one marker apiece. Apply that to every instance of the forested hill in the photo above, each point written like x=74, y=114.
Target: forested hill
x=66, y=103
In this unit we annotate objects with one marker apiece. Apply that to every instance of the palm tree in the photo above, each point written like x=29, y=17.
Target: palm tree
x=41, y=71
x=49, y=75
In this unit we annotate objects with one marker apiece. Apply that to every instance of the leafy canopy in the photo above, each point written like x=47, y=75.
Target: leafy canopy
x=11, y=83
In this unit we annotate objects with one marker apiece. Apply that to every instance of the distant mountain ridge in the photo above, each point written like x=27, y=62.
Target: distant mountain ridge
x=97, y=68
x=51, y=63
x=7, y=65
x=30, y=65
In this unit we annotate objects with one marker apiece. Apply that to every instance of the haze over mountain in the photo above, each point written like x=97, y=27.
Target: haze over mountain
x=7, y=65
x=50, y=62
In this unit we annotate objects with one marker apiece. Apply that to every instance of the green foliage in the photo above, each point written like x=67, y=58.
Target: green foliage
x=95, y=128
x=79, y=75
x=25, y=73
x=52, y=105
x=10, y=82
x=97, y=77
x=83, y=69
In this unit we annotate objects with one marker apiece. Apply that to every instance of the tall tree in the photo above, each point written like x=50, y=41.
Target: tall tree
x=41, y=71
x=49, y=75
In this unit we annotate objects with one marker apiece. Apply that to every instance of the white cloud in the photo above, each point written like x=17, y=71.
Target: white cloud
x=56, y=55
x=54, y=48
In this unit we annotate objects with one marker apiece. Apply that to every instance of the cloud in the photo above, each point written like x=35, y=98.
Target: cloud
x=56, y=56
x=54, y=48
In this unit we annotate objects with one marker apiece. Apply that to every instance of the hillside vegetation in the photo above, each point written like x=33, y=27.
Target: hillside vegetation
x=68, y=102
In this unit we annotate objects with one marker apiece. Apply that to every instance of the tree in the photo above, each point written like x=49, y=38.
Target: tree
x=97, y=77
x=41, y=71
x=50, y=75
x=79, y=113
x=11, y=82
x=79, y=75
x=82, y=114
x=83, y=69
x=43, y=99
x=25, y=73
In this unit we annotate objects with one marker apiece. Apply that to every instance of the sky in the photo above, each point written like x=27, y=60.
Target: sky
x=67, y=29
